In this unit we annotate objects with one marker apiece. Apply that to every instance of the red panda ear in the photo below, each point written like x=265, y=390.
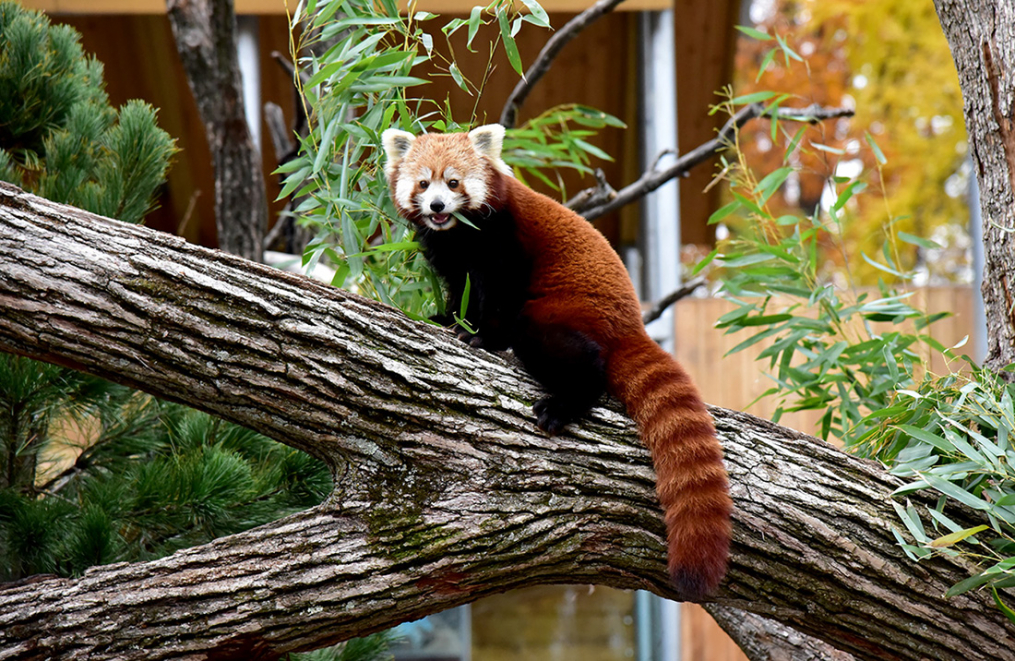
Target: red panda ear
x=396, y=145
x=488, y=140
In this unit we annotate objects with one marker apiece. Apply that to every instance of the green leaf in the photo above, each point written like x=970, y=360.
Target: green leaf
x=704, y=262
x=754, y=97
x=465, y=296
x=826, y=148
x=918, y=241
x=882, y=267
x=967, y=585
x=1008, y=612
x=771, y=183
x=793, y=143
x=539, y=14
x=764, y=320
x=747, y=260
x=763, y=67
x=954, y=491
x=1006, y=501
x=595, y=151
x=722, y=212
x=926, y=437
x=464, y=220
x=475, y=20
x=878, y=154
x=456, y=74
x=754, y=33
x=510, y=47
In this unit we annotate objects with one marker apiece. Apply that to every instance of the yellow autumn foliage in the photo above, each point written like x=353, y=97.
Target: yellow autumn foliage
x=891, y=61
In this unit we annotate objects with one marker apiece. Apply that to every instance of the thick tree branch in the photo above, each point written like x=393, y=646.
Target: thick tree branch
x=205, y=33
x=654, y=178
x=553, y=46
x=445, y=491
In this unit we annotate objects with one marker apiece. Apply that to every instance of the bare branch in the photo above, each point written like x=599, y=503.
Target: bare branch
x=657, y=309
x=281, y=135
x=601, y=193
x=654, y=178
x=509, y=115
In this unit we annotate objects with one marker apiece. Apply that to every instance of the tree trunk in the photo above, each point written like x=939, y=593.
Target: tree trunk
x=981, y=34
x=205, y=33
x=445, y=491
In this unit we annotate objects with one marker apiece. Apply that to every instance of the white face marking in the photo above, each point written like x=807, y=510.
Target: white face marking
x=403, y=191
x=475, y=186
x=433, y=198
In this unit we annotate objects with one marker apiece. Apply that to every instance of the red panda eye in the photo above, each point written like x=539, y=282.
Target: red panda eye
x=453, y=184
x=423, y=184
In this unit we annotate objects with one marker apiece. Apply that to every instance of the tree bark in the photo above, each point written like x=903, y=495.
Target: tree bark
x=761, y=639
x=981, y=34
x=205, y=33
x=445, y=491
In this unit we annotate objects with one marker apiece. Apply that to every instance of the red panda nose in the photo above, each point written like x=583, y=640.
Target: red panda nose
x=437, y=206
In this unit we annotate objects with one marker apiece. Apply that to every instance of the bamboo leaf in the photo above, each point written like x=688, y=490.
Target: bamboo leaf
x=510, y=47
x=956, y=537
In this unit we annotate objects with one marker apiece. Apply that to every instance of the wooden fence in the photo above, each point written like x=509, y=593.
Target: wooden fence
x=736, y=380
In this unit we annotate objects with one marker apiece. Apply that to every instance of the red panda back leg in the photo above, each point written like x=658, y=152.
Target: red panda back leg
x=567, y=363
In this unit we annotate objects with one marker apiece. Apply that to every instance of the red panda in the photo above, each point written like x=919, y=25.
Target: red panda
x=545, y=283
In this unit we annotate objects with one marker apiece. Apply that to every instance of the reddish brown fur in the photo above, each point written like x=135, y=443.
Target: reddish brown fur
x=578, y=281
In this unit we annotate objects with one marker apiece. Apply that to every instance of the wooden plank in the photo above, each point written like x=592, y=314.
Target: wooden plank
x=702, y=639
x=705, y=41
x=279, y=7
x=563, y=623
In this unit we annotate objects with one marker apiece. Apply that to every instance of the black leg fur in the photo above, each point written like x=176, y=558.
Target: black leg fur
x=569, y=365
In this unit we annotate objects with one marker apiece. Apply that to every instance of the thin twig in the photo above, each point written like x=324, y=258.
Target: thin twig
x=598, y=194
x=509, y=115
x=279, y=132
x=653, y=179
x=288, y=66
x=181, y=228
x=660, y=306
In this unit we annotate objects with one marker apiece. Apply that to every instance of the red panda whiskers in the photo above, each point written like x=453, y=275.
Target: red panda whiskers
x=546, y=284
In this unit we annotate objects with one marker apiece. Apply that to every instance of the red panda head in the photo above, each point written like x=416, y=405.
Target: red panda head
x=433, y=176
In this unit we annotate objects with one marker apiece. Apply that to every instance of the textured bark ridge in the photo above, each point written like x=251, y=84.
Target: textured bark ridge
x=761, y=639
x=981, y=34
x=444, y=489
x=205, y=33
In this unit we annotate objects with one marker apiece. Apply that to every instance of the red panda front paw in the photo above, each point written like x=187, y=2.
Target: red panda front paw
x=472, y=339
x=553, y=414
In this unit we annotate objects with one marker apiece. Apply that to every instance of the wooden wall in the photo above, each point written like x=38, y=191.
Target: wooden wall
x=141, y=62
x=706, y=45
